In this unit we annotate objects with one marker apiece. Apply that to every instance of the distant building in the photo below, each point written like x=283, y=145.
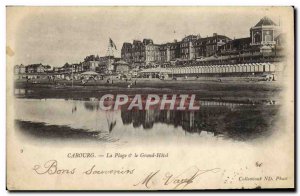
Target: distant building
x=205, y=47
x=106, y=64
x=147, y=41
x=138, y=52
x=126, y=52
x=186, y=47
x=67, y=68
x=164, y=53
x=47, y=68
x=264, y=32
x=121, y=67
x=152, y=53
x=169, y=52
x=90, y=65
x=174, y=50
x=19, y=69
x=264, y=38
x=191, y=47
x=35, y=68
x=236, y=46
x=78, y=68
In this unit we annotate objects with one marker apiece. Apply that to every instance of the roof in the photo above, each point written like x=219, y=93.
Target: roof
x=20, y=65
x=147, y=41
x=189, y=38
x=126, y=44
x=204, y=39
x=34, y=66
x=243, y=39
x=265, y=21
x=246, y=40
x=137, y=42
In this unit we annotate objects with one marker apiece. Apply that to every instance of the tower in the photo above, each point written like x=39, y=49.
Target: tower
x=264, y=33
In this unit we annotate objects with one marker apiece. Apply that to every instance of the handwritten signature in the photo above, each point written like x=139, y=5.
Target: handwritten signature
x=181, y=180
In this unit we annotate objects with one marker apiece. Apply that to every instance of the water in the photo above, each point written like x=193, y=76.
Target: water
x=60, y=119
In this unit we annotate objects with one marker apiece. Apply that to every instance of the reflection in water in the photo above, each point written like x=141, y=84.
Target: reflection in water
x=230, y=120
x=242, y=123
x=94, y=105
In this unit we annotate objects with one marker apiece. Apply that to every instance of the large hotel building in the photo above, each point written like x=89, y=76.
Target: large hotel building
x=261, y=52
x=264, y=37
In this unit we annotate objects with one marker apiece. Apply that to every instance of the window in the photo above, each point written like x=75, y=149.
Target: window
x=257, y=38
x=268, y=38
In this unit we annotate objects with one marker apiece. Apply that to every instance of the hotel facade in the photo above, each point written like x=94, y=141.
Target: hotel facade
x=264, y=38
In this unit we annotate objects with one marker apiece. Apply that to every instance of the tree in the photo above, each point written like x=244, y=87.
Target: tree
x=66, y=65
x=89, y=58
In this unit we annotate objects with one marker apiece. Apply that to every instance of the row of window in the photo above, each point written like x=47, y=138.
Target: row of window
x=183, y=50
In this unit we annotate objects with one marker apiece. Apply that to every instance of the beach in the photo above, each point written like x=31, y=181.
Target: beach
x=236, y=89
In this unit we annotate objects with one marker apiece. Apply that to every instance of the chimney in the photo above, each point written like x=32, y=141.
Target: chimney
x=215, y=34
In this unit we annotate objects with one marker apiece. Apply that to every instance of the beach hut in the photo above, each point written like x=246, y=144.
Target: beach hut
x=89, y=73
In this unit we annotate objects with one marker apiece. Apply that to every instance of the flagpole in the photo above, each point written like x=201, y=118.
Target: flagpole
x=108, y=63
x=72, y=76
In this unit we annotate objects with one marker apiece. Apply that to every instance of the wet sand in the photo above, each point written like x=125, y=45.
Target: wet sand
x=226, y=90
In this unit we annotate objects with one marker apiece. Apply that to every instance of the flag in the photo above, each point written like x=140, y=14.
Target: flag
x=112, y=44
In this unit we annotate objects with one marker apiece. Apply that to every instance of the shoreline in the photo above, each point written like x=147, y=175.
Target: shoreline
x=244, y=91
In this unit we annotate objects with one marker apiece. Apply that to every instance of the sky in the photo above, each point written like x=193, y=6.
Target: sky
x=56, y=35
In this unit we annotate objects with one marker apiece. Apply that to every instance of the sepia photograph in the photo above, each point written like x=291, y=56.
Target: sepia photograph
x=150, y=98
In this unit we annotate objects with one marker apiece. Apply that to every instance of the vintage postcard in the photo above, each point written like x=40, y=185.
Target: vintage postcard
x=150, y=98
